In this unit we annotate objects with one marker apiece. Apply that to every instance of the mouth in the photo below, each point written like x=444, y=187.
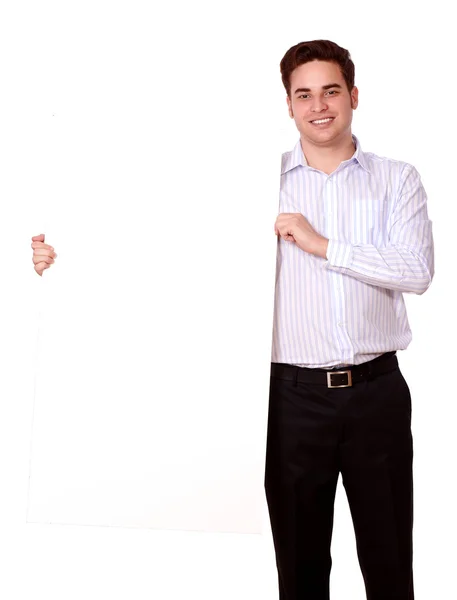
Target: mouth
x=322, y=122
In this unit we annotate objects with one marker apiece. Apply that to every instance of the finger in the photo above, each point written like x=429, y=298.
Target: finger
x=40, y=267
x=283, y=220
x=290, y=217
x=38, y=238
x=287, y=235
x=42, y=259
x=36, y=258
x=44, y=252
x=41, y=245
x=285, y=229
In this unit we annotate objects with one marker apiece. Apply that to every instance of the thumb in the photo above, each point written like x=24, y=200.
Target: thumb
x=38, y=238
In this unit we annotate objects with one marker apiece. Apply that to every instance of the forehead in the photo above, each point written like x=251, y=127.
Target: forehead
x=315, y=74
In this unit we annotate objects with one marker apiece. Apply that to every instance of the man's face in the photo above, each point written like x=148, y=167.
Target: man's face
x=318, y=92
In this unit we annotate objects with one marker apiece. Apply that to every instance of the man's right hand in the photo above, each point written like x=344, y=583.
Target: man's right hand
x=43, y=254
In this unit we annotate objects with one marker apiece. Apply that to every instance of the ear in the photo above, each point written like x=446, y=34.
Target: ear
x=354, y=97
x=289, y=105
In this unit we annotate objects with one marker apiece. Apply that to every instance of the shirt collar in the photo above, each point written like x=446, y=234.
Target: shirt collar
x=295, y=158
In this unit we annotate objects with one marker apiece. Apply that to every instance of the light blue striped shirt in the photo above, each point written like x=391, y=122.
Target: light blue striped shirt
x=349, y=308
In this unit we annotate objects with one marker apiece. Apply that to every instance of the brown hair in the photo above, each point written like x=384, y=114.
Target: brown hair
x=317, y=50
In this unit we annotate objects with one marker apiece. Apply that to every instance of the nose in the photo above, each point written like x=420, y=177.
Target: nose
x=318, y=104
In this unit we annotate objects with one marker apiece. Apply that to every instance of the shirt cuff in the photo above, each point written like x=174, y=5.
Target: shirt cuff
x=339, y=254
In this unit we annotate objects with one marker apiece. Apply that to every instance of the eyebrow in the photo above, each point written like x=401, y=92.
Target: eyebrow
x=324, y=87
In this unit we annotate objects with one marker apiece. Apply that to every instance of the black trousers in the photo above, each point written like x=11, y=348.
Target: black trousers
x=364, y=433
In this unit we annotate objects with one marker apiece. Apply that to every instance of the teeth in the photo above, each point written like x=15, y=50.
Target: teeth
x=322, y=120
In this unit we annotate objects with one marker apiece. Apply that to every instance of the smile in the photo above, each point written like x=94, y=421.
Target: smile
x=322, y=121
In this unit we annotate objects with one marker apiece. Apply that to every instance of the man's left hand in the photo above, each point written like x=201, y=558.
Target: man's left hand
x=294, y=227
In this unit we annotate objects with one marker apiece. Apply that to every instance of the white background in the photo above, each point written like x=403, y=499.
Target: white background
x=405, y=65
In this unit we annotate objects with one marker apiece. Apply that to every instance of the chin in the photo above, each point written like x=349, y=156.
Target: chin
x=323, y=137
x=324, y=134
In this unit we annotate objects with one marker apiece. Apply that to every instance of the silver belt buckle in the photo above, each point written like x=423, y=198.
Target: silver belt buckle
x=329, y=379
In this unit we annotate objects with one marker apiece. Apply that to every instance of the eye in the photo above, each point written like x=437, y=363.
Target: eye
x=332, y=92
x=304, y=95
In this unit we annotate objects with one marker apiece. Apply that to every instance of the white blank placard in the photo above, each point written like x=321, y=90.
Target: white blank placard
x=151, y=396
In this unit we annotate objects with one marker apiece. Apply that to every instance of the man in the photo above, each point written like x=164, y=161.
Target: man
x=354, y=234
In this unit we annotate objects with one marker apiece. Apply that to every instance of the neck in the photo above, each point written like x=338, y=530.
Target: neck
x=328, y=158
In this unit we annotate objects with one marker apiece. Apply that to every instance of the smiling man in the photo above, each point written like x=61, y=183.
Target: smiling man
x=353, y=236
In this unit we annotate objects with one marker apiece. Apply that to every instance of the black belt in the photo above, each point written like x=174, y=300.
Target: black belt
x=340, y=377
